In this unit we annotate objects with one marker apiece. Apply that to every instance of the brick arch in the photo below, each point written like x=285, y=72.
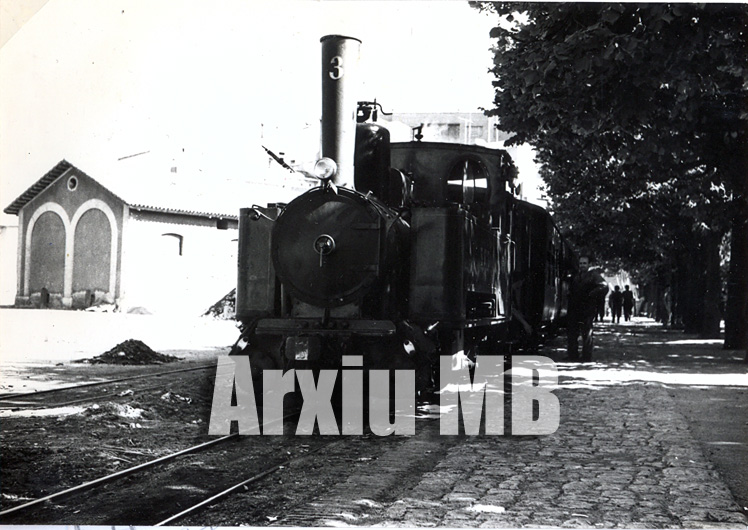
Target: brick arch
x=97, y=204
x=55, y=208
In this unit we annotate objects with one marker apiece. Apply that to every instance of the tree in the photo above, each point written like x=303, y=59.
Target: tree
x=637, y=114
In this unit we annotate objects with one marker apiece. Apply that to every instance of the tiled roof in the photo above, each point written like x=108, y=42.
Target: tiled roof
x=39, y=186
x=138, y=185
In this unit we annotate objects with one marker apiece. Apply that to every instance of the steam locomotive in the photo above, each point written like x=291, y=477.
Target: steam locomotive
x=403, y=253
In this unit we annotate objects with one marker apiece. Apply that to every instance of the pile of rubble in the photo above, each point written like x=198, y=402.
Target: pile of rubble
x=225, y=308
x=131, y=351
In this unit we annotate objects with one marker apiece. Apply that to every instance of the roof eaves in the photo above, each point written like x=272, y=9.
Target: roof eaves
x=158, y=209
x=37, y=187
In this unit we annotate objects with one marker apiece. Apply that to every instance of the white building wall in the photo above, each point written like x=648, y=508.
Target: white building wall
x=160, y=280
x=8, y=264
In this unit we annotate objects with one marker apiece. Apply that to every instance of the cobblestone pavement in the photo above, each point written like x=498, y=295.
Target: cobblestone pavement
x=623, y=457
x=615, y=462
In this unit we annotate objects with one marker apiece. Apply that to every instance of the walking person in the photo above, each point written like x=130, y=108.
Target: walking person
x=616, y=304
x=628, y=303
x=600, y=308
x=584, y=294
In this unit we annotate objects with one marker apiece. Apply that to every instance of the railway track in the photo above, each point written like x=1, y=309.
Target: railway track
x=186, y=484
x=183, y=485
x=68, y=506
x=244, y=484
x=76, y=394
x=342, y=486
x=93, y=484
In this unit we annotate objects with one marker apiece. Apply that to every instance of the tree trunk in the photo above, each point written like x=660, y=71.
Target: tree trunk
x=691, y=282
x=676, y=287
x=710, y=316
x=700, y=287
x=736, y=312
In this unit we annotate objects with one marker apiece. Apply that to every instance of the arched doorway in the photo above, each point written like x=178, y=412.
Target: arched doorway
x=92, y=258
x=47, y=255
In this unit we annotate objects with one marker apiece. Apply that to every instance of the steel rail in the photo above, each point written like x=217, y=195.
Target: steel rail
x=114, y=476
x=30, y=405
x=108, y=381
x=235, y=487
x=252, y=479
x=131, y=470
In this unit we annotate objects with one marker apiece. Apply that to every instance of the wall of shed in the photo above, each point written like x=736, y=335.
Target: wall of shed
x=69, y=244
x=8, y=269
x=175, y=265
x=81, y=245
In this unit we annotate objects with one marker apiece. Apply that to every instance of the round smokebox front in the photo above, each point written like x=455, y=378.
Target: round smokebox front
x=326, y=247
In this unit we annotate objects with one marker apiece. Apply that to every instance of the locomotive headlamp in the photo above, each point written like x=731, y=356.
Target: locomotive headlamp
x=325, y=169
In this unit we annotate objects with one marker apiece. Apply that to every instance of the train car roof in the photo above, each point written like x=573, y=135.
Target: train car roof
x=435, y=166
x=531, y=206
x=451, y=146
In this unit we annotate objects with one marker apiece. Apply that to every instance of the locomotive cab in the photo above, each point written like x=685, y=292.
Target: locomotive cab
x=460, y=255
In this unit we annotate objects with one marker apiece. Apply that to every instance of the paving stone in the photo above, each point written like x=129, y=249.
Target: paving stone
x=616, y=461
x=709, y=525
x=396, y=510
x=513, y=521
x=714, y=515
x=576, y=522
x=613, y=463
x=500, y=498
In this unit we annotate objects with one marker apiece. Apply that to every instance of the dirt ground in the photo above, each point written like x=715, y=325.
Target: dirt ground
x=47, y=450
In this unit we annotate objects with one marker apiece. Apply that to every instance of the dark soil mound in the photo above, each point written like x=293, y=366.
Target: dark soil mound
x=131, y=351
x=225, y=308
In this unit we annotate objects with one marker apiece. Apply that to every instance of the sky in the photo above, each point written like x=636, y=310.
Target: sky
x=205, y=83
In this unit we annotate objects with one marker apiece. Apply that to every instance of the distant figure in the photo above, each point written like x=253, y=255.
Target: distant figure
x=628, y=303
x=616, y=303
x=600, y=308
x=667, y=307
x=587, y=287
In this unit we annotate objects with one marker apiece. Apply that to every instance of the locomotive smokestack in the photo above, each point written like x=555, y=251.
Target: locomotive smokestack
x=339, y=66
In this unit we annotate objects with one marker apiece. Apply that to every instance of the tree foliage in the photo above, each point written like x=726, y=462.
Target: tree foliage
x=638, y=115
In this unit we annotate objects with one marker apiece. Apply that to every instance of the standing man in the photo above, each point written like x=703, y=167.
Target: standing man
x=628, y=303
x=600, y=308
x=616, y=302
x=586, y=289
